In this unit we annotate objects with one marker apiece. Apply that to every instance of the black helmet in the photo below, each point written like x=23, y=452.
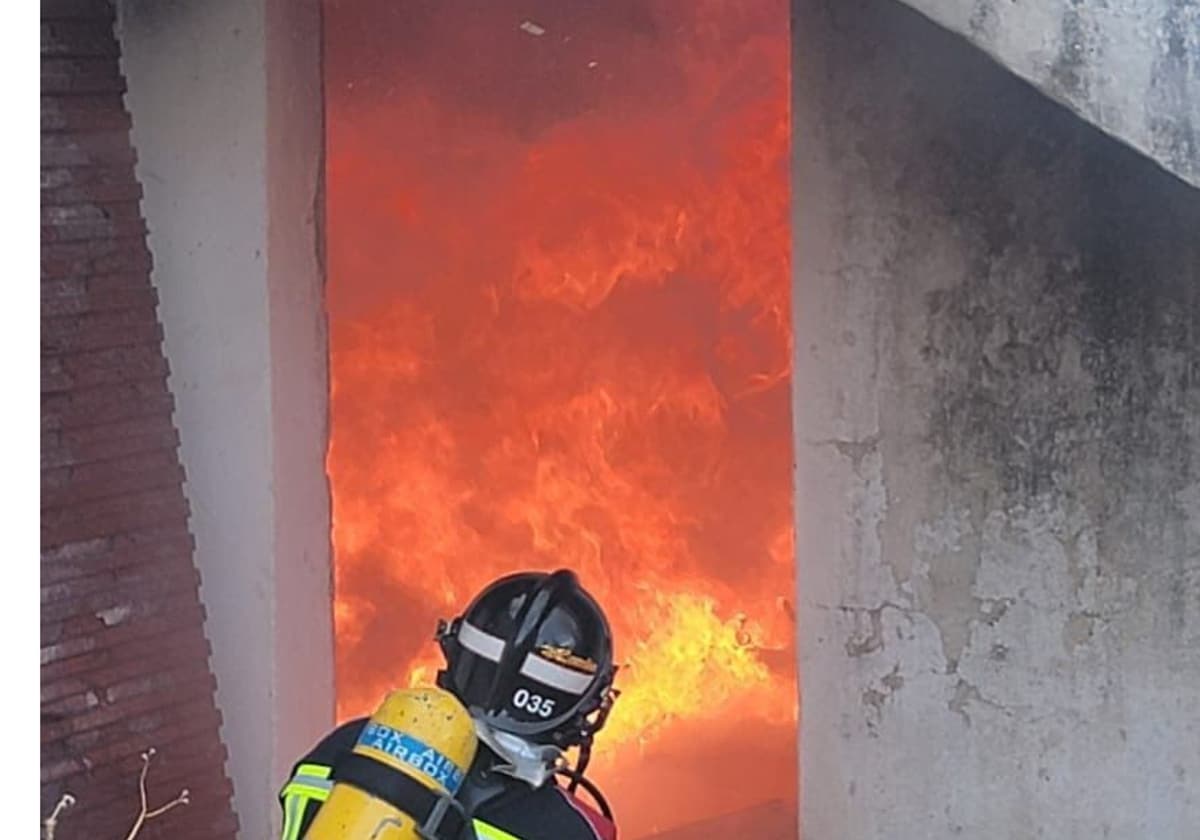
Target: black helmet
x=532, y=656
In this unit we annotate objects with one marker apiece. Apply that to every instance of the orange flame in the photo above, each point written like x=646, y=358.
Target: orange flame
x=559, y=296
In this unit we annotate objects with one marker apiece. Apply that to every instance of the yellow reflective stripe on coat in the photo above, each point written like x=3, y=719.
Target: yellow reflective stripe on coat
x=484, y=831
x=309, y=788
x=310, y=783
x=293, y=816
x=319, y=771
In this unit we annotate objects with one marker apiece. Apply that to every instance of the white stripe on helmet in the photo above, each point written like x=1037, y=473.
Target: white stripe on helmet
x=480, y=642
x=555, y=675
x=549, y=673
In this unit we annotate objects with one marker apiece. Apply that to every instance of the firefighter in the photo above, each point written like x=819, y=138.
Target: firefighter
x=531, y=659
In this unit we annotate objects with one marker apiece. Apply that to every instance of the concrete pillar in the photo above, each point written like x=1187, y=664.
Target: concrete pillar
x=227, y=124
x=997, y=409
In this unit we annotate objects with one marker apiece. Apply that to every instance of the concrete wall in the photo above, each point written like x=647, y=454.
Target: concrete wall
x=997, y=315
x=225, y=98
x=1131, y=67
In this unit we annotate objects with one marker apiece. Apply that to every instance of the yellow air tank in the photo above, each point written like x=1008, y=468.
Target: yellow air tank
x=412, y=756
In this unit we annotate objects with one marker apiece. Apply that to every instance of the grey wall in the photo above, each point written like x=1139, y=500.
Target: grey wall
x=226, y=103
x=1131, y=67
x=997, y=408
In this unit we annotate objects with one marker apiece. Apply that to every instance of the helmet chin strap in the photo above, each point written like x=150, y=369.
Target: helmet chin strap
x=533, y=764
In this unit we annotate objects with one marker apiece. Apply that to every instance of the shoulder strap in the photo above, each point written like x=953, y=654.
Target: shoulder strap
x=438, y=815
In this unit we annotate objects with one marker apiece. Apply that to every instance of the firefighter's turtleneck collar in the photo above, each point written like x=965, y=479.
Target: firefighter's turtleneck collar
x=533, y=764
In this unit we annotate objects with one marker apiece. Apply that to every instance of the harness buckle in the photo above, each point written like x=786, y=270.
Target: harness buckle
x=434, y=824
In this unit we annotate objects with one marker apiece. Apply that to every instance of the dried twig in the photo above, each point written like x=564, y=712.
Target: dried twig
x=146, y=812
x=51, y=822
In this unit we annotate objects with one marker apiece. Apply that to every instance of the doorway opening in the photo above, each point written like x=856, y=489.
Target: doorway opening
x=558, y=295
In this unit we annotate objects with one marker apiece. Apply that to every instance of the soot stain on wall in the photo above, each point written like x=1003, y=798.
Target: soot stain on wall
x=1066, y=358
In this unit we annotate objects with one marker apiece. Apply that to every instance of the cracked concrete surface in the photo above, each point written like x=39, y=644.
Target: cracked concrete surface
x=998, y=481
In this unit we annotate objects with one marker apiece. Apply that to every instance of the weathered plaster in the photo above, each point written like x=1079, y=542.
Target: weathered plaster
x=1131, y=67
x=998, y=451
x=225, y=97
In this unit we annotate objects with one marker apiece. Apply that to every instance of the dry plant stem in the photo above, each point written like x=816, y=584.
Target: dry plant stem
x=145, y=812
x=51, y=823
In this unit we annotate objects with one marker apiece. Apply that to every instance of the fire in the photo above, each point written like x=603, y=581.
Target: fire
x=559, y=297
x=691, y=663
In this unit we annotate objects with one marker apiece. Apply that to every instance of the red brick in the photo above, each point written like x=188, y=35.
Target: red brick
x=183, y=648
x=93, y=10
x=105, y=716
x=100, y=287
x=84, y=212
x=122, y=600
x=152, y=683
x=73, y=667
x=125, y=298
x=81, y=75
x=198, y=686
x=102, y=479
x=128, y=628
x=103, y=595
x=62, y=688
x=55, y=178
x=93, y=443
x=68, y=649
x=111, y=516
x=101, y=112
x=122, y=626
x=54, y=378
x=84, y=295
x=61, y=769
x=185, y=645
x=90, y=257
x=155, y=727
x=97, y=285
x=171, y=770
x=57, y=727
x=97, y=330
x=150, y=547
x=112, y=365
x=108, y=801
x=82, y=221
x=88, y=231
x=178, y=742
x=89, y=183
x=110, y=685
x=105, y=404
x=52, y=632
x=78, y=39
x=152, y=630
x=98, y=148
x=72, y=704
x=105, y=580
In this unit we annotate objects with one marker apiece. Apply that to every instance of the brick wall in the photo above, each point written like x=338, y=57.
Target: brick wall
x=124, y=658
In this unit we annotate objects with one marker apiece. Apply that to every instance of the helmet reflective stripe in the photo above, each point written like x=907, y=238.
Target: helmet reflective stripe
x=480, y=642
x=535, y=667
x=555, y=675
